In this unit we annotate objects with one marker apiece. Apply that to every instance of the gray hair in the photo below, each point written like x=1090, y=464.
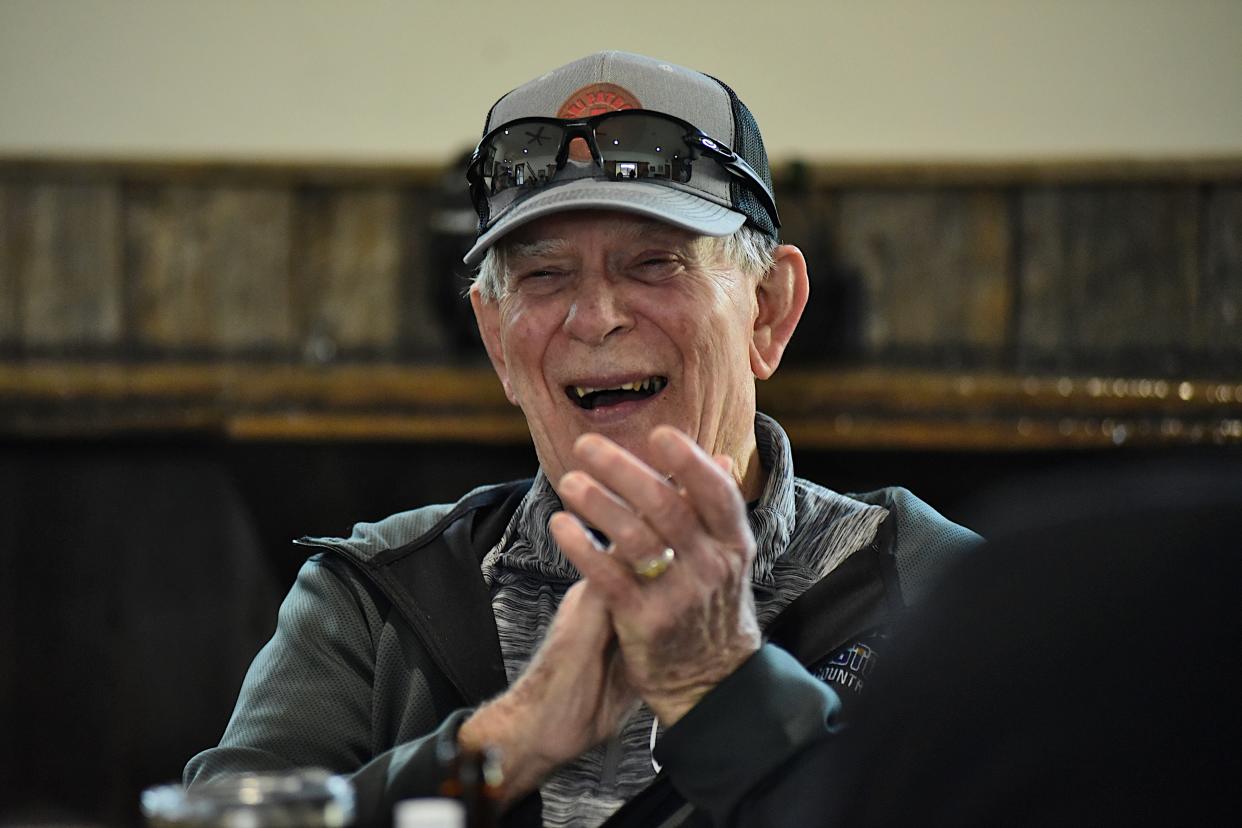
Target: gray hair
x=747, y=250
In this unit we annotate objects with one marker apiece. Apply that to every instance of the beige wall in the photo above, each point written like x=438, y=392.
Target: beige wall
x=410, y=81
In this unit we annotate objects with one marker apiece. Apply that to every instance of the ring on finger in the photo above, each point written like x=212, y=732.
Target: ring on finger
x=656, y=565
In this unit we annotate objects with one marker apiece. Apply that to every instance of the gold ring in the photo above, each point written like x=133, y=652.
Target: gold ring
x=653, y=568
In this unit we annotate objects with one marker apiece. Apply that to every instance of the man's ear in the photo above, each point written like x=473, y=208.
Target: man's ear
x=781, y=295
x=487, y=316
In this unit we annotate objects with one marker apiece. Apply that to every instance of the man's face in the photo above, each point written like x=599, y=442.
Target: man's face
x=615, y=324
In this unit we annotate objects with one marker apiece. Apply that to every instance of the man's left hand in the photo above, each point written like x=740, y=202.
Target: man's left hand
x=684, y=631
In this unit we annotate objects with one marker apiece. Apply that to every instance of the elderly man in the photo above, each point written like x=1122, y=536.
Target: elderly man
x=609, y=618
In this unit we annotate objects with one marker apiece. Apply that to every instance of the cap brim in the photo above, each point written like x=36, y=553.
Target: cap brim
x=672, y=206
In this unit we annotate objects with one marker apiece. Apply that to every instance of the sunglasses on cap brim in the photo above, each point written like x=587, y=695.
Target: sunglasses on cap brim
x=628, y=145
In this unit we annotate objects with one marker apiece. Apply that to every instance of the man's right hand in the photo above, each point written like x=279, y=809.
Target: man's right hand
x=572, y=696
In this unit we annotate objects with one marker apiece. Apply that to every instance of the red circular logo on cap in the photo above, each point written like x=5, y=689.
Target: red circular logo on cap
x=594, y=99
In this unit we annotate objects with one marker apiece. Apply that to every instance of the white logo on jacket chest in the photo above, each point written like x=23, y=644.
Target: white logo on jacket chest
x=848, y=667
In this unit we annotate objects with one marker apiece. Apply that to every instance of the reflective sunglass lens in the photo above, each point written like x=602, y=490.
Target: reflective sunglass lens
x=643, y=146
x=521, y=155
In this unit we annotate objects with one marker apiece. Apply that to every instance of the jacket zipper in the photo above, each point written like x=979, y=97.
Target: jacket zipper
x=612, y=758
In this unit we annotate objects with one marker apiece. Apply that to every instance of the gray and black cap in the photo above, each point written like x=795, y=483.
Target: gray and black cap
x=712, y=203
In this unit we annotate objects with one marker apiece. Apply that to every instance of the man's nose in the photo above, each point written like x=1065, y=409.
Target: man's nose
x=598, y=310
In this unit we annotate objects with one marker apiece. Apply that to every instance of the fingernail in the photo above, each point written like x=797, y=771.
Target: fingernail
x=587, y=445
x=571, y=483
x=664, y=438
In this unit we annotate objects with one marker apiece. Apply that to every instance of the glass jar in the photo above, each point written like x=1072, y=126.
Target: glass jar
x=298, y=799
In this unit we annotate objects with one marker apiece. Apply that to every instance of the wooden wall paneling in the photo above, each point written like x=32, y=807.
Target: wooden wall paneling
x=346, y=271
x=1108, y=278
x=209, y=268
x=60, y=266
x=935, y=268
x=1218, y=315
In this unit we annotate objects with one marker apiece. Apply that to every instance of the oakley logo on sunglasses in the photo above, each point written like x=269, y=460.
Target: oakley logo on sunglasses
x=631, y=144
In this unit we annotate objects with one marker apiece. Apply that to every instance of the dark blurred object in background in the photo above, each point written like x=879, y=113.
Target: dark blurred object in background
x=453, y=226
x=138, y=578
x=133, y=592
x=832, y=327
x=1077, y=671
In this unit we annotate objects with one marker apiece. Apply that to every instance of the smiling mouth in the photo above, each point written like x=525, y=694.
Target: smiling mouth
x=588, y=398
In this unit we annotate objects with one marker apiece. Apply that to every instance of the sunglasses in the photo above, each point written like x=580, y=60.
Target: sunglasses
x=630, y=144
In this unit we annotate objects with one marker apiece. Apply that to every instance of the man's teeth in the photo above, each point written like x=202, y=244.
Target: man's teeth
x=648, y=384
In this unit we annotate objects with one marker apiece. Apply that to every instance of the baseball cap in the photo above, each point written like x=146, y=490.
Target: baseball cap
x=711, y=203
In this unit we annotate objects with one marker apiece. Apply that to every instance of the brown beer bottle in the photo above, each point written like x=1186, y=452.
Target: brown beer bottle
x=473, y=777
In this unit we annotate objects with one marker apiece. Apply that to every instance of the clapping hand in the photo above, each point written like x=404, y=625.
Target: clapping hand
x=684, y=630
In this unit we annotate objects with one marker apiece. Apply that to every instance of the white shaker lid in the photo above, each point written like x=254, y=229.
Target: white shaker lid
x=431, y=812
